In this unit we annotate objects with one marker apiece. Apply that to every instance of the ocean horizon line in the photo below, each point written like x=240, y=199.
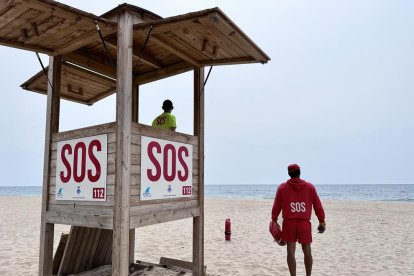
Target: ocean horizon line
x=376, y=192
x=246, y=184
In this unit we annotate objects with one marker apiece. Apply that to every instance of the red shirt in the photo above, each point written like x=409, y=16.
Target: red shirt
x=295, y=199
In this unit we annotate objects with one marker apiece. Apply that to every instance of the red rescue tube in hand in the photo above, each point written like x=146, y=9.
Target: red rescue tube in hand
x=227, y=229
x=274, y=229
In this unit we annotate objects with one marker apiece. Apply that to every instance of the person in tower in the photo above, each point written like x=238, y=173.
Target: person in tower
x=166, y=120
x=295, y=199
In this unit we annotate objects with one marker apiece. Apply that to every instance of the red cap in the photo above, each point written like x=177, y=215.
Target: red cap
x=293, y=167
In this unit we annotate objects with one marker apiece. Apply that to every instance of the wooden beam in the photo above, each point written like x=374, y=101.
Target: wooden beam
x=164, y=216
x=120, y=255
x=175, y=22
x=23, y=46
x=198, y=221
x=25, y=33
x=135, y=102
x=145, y=58
x=232, y=61
x=85, y=39
x=209, y=48
x=165, y=72
x=146, y=130
x=35, y=28
x=68, y=98
x=83, y=220
x=91, y=64
x=84, y=132
x=171, y=26
x=131, y=246
x=144, y=209
x=134, y=113
x=178, y=263
x=174, y=51
x=52, y=126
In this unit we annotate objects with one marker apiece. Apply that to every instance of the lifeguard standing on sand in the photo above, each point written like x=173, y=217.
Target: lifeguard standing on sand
x=295, y=199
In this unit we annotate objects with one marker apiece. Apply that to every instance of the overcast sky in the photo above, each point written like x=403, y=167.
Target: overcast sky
x=337, y=97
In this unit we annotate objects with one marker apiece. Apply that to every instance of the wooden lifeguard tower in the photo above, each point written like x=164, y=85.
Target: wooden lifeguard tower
x=106, y=180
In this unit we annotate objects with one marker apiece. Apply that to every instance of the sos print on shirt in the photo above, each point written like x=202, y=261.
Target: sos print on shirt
x=298, y=207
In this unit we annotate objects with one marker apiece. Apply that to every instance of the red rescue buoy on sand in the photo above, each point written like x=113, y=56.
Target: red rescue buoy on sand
x=227, y=229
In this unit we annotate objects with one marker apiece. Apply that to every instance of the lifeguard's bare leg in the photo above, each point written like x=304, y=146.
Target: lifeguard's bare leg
x=291, y=247
x=307, y=253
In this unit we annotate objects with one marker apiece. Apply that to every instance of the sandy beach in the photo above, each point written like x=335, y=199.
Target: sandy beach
x=362, y=238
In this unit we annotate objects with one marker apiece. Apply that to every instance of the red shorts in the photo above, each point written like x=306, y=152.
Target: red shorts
x=297, y=231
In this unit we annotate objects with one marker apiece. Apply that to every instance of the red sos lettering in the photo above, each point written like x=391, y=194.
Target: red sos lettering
x=169, y=152
x=78, y=155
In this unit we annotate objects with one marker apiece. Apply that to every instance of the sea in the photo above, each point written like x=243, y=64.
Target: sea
x=373, y=192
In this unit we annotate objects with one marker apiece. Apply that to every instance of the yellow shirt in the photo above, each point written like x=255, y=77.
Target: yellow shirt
x=165, y=121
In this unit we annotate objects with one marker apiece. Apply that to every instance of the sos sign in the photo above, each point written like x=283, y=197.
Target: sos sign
x=81, y=168
x=166, y=169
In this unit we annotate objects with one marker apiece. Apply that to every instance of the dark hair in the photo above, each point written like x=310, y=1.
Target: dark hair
x=167, y=105
x=295, y=173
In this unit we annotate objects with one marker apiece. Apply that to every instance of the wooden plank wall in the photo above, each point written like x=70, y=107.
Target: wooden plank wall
x=86, y=248
x=145, y=213
x=57, y=259
x=83, y=213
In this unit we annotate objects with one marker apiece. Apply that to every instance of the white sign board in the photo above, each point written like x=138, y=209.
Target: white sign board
x=166, y=169
x=81, y=167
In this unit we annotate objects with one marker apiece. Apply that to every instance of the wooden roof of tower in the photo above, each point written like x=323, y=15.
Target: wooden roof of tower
x=176, y=44
x=141, y=15
x=48, y=27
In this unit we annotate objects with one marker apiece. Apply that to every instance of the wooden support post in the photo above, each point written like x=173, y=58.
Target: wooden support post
x=131, y=246
x=135, y=113
x=135, y=102
x=198, y=222
x=52, y=126
x=120, y=254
